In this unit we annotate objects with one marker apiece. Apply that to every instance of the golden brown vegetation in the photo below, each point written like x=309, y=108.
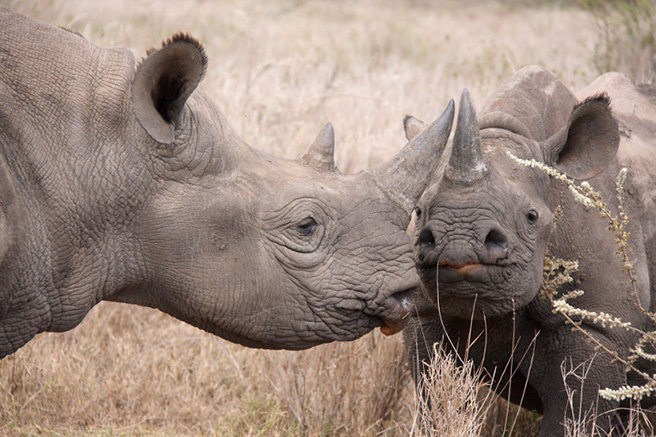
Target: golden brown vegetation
x=279, y=70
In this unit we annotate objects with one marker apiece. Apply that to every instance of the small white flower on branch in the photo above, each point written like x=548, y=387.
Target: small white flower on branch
x=604, y=319
x=635, y=392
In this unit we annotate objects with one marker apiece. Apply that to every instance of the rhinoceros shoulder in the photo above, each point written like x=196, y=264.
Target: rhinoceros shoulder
x=627, y=97
x=634, y=107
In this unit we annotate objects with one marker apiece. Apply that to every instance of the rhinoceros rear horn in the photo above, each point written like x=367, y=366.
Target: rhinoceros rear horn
x=164, y=81
x=466, y=164
x=406, y=175
x=321, y=152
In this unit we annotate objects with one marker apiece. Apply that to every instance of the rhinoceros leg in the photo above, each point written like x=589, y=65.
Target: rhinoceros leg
x=527, y=372
x=17, y=325
x=419, y=335
x=22, y=323
x=572, y=360
x=506, y=362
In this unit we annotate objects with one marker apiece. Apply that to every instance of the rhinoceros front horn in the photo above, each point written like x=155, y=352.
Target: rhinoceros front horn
x=466, y=164
x=321, y=154
x=406, y=175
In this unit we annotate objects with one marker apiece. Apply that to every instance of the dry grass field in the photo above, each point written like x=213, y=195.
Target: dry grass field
x=279, y=69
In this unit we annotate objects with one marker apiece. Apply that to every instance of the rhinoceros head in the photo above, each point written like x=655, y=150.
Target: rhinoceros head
x=484, y=224
x=260, y=250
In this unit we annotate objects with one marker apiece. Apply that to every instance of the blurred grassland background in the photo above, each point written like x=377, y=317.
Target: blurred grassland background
x=279, y=70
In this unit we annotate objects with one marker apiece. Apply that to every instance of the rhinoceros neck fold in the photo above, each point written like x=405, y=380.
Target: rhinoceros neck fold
x=197, y=150
x=65, y=124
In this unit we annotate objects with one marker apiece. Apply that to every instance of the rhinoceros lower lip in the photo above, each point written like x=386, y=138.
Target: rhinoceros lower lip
x=394, y=321
x=391, y=328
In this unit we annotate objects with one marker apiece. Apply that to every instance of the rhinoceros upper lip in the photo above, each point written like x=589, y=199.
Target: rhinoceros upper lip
x=469, y=270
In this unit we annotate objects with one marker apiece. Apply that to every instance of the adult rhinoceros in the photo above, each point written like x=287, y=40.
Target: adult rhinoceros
x=485, y=223
x=129, y=185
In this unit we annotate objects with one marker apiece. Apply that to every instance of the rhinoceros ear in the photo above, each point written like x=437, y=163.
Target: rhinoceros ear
x=164, y=81
x=412, y=126
x=589, y=141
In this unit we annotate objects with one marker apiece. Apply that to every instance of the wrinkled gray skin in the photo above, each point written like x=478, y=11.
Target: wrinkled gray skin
x=125, y=184
x=485, y=223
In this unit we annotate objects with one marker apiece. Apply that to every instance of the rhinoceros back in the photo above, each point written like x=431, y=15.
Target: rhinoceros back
x=535, y=98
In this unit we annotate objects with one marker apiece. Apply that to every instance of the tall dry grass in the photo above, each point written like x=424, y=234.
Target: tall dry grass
x=129, y=370
x=279, y=69
x=628, y=42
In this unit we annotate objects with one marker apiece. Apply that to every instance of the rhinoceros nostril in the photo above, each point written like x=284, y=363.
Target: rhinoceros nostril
x=426, y=243
x=426, y=240
x=496, y=243
x=496, y=239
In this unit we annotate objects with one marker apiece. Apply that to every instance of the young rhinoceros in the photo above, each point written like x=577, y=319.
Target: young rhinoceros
x=129, y=185
x=485, y=224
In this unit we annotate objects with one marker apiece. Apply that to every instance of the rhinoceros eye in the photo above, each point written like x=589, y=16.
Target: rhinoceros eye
x=532, y=216
x=306, y=226
x=299, y=226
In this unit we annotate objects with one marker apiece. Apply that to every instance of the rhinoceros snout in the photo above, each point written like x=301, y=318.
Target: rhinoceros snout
x=489, y=247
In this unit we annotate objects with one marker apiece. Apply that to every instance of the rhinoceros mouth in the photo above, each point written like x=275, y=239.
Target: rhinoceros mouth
x=471, y=271
x=454, y=277
x=470, y=288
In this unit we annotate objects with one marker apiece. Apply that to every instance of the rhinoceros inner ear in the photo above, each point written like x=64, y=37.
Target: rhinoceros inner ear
x=588, y=143
x=164, y=81
x=412, y=126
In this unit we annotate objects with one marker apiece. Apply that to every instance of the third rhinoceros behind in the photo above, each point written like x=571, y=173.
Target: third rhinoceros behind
x=129, y=185
x=486, y=222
